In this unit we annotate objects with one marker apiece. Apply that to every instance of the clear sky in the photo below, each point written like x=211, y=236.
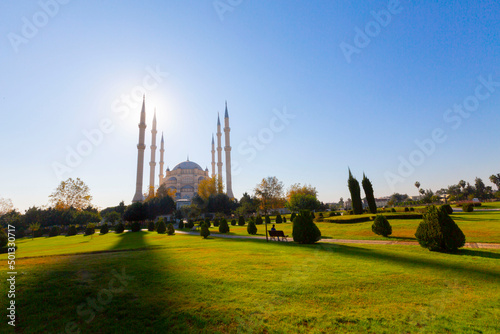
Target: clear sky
x=362, y=81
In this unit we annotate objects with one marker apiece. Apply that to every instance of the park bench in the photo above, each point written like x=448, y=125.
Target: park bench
x=278, y=234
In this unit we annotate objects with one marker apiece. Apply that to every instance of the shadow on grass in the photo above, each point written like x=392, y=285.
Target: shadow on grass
x=472, y=252
x=402, y=238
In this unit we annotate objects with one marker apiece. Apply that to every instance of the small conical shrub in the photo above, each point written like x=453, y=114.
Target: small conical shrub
x=104, y=229
x=151, y=226
x=407, y=209
x=241, y=221
x=71, y=230
x=89, y=230
x=393, y=210
x=170, y=229
x=162, y=228
x=304, y=229
x=223, y=227
x=189, y=224
x=207, y=221
x=438, y=231
x=268, y=220
x=279, y=220
x=258, y=220
x=381, y=226
x=251, y=228
x=204, y=231
x=181, y=224
x=233, y=222
x=119, y=228
x=216, y=222
x=284, y=219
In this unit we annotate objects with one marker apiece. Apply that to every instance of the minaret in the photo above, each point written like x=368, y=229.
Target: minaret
x=139, y=197
x=227, y=149
x=162, y=150
x=152, y=163
x=213, y=156
x=219, y=150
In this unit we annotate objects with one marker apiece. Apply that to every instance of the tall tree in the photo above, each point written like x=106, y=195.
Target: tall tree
x=495, y=179
x=354, y=189
x=210, y=186
x=270, y=193
x=370, y=198
x=5, y=205
x=417, y=184
x=71, y=193
x=297, y=188
x=480, y=188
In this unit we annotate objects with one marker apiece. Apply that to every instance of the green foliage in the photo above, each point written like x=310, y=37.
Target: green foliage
x=447, y=208
x=467, y=207
x=223, y=227
x=71, y=230
x=135, y=212
x=267, y=219
x=162, y=228
x=135, y=227
x=189, y=224
x=292, y=216
x=20, y=233
x=251, y=228
x=181, y=224
x=119, y=228
x=54, y=231
x=304, y=229
x=381, y=226
x=241, y=221
x=258, y=220
x=298, y=202
x=216, y=222
x=204, y=231
x=170, y=229
x=151, y=226
x=370, y=198
x=413, y=209
x=279, y=220
x=112, y=217
x=439, y=232
x=407, y=209
x=104, y=229
x=393, y=210
x=207, y=221
x=90, y=229
x=3, y=238
x=284, y=219
x=233, y=222
x=353, y=185
x=312, y=215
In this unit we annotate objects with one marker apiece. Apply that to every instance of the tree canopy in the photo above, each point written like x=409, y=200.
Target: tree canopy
x=270, y=193
x=71, y=194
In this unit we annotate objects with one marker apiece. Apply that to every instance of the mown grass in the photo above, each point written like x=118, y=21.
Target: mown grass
x=477, y=227
x=228, y=286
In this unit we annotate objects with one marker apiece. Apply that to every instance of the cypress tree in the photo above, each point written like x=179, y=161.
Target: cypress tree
x=368, y=189
x=355, y=191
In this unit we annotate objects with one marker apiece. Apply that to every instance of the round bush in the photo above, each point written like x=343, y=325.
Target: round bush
x=241, y=221
x=251, y=228
x=439, y=232
x=447, y=208
x=223, y=227
x=216, y=222
x=71, y=231
x=135, y=227
x=381, y=226
x=189, y=224
x=151, y=226
x=54, y=231
x=258, y=220
x=89, y=230
x=162, y=228
x=468, y=207
x=181, y=224
x=233, y=222
x=104, y=229
x=304, y=229
x=279, y=220
x=412, y=209
x=407, y=209
x=204, y=231
x=119, y=228
x=170, y=229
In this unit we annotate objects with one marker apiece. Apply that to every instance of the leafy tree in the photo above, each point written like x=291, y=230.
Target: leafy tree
x=162, y=228
x=71, y=231
x=447, y=208
x=353, y=184
x=298, y=202
x=219, y=203
x=54, y=231
x=270, y=193
x=104, y=229
x=85, y=217
x=251, y=228
x=305, y=230
x=90, y=229
x=241, y=221
x=223, y=227
x=204, y=231
x=438, y=231
x=135, y=212
x=135, y=227
x=297, y=188
x=417, y=184
x=170, y=229
x=279, y=220
x=480, y=188
x=112, y=217
x=248, y=204
x=467, y=207
x=34, y=227
x=381, y=226
x=181, y=225
x=398, y=198
x=370, y=198
x=119, y=228
x=71, y=193
x=495, y=179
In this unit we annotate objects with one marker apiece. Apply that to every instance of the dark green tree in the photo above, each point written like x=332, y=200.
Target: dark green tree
x=258, y=220
x=204, y=231
x=223, y=227
x=170, y=229
x=370, y=198
x=251, y=228
x=151, y=226
x=381, y=226
x=71, y=231
x=119, y=228
x=305, y=230
x=162, y=228
x=241, y=221
x=279, y=220
x=104, y=229
x=267, y=219
x=353, y=184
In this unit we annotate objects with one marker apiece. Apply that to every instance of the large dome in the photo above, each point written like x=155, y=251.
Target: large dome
x=188, y=165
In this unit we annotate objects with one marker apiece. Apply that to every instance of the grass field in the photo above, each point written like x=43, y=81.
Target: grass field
x=186, y=284
x=477, y=227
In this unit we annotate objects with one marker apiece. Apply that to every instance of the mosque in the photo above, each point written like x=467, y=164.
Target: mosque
x=186, y=176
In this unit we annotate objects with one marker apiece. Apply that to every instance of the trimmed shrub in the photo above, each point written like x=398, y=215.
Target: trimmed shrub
x=279, y=220
x=162, y=228
x=468, y=207
x=119, y=228
x=181, y=224
x=189, y=224
x=216, y=222
x=447, y=208
x=223, y=227
x=135, y=227
x=406, y=209
x=412, y=209
x=151, y=226
x=170, y=229
x=438, y=231
x=233, y=222
x=267, y=219
x=104, y=229
x=284, y=219
x=393, y=210
x=258, y=220
x=207, y=221
x=251, y=228
x=54, y=231
x=381, y=226
x=304, y=229
x=71, y=231
x=204, y=231
x=332, y=214
x=241, y=221
x=89, y=230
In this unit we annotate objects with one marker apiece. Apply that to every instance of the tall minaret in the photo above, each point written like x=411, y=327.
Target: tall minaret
x=152, y=163
x=139, y=197
x=162, y=150
x=213, y=156
x=219, y=149
x=227, y=148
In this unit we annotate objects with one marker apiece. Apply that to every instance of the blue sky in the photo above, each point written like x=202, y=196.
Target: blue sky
x=66, y=67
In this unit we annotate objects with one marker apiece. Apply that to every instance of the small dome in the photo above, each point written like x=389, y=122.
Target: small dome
x=188, y=165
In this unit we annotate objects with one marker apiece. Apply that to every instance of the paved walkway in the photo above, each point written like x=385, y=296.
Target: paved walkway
x=350, y=241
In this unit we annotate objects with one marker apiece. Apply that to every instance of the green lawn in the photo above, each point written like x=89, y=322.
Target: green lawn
x=477, y=227
x=186, y=284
